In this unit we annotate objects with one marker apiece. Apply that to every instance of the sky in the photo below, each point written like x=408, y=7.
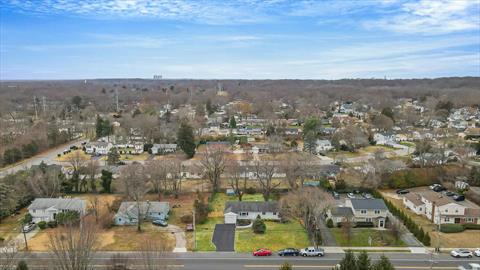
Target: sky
x=243, y=39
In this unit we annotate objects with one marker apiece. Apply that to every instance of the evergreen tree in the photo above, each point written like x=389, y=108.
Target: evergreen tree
x=310, y=142
x=22, y=265
x=113, y=156
x=349, y=262
x=106, y=179
x=233, y=122
x=259, y=226
x=186, y=139
x=383, y=264
x=363, y=261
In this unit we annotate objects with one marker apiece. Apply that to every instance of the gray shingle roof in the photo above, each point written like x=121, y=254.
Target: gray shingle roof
x=130, y=208
x=237, y=207
x=58, y=203
x=368, y=204
x=341, y=211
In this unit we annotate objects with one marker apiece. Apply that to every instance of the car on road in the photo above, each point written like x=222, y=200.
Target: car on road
x=288, y=252
x=403, y=191
x=448, y=193
x=160, y=222
x=262, y=252
x=311, y=251
x=351, y=195
x=28, y=227
x=461, y=253
x=458, y=197
x=477, y=252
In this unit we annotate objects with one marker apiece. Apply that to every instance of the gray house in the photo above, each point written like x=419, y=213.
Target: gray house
x=235, y=210
x=164, y=148
x=46, y=209
x=360, y=210
x=128, y=212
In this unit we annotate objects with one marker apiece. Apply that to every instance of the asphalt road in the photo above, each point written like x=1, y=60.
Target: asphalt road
x=241, y=261
x=47, y=156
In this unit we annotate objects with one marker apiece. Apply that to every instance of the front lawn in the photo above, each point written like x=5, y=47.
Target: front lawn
x=278, y=236
x=380, y=238
x=204, y=234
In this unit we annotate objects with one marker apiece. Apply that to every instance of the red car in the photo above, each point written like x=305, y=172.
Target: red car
x=262, y=252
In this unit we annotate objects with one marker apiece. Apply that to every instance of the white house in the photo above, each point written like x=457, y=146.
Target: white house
x=323, y=146
x=46, y=209
x=235, y=210
x=164, y=148
x=384, y=139
x=101, y=148
x=368, y=210
x=442, y=209
x=128, y=212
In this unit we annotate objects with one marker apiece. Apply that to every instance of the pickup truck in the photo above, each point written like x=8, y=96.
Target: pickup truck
x=311, y=251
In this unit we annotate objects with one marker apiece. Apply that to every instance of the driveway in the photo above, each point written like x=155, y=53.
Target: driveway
x=180, y=239
x=224, y=237
x=327, y=237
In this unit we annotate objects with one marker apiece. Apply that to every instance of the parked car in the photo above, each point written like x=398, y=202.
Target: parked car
x=335, y=195
x=367, y=195
x=458, y=197
x=439, y=188
x=477, y=252
x=28, y=227
x=189, y=227
x=433, y=186
x=351, y=195
x=461, y=253
x=160, y=222
x=311, y=251
x=403, y=191
x=262, y=252
x=448, y=193
x=289, y=252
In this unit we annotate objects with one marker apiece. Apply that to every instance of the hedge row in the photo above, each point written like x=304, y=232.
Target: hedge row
x=417, y=231
x=451, y=228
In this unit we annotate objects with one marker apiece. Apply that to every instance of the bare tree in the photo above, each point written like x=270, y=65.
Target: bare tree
x=46, y=183
x=8, y=255
x=153, y=255
x=237, y=178
x=396, y=228
x=347, y=228
x=92, y=169
x=213, y=162
x=158, y=171
x=134, y=183
x=264, y=171
x=76, y=161
x=73, y=246
x=175, y=180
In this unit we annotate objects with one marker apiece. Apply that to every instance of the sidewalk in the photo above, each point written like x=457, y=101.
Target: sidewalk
x=417, y=250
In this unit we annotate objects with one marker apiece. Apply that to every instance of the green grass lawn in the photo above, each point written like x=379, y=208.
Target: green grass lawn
x=278, y=236
x=406, y=143
x=380, y=238
x=218, y=203
x=205, y=232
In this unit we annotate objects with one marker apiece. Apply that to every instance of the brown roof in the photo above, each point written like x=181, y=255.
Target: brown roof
x=436, y=198
x=414, y=198
x=472, y=212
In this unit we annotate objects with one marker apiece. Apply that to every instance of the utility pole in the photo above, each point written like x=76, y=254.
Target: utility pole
x=35, y=106
x=116, y=99
x=44, y=103
x=194, y=232
x=25, y=238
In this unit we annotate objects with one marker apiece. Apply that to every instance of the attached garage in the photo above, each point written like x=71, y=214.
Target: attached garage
x=230, y=218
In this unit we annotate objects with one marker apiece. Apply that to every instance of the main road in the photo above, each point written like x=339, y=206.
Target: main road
x=241, y=261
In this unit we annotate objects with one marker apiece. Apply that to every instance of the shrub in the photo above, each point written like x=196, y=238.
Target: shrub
x=186, y=218
x=250, y=190
x=67, y=217
x=329, y=223
x=27, y=219
x=42, y=225
x=259, y=226
x=22, y=265
x=2, y=239
x=426, y=239
x=451, y=228
x=52, y=224
x=471, y=226
x=364, y=224
x=285, y=266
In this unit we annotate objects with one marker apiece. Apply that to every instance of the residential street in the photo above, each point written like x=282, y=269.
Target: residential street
x=238, y=261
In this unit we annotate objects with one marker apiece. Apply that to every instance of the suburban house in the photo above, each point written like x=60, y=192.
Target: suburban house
x=128, y=212
x=323, y=146
x=46, y=209
x=235, y=210
x=158, y=149
x=101, y=148
x=362, y=210
x=384, y=138
x=440, y=208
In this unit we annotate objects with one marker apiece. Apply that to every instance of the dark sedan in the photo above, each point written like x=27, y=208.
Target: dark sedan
x=289, y=252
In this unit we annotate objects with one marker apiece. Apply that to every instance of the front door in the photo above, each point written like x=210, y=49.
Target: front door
x=381, y=223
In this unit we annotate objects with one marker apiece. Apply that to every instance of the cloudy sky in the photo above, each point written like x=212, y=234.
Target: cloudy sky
x=249, y=39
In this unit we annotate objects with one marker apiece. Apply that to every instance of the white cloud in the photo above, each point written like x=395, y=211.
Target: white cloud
x=432, y=17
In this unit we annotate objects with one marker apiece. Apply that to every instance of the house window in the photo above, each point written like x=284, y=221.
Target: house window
x=34, y=211
x=363, y=211
x=368, y=220
x=377, y=211
x=447, y=219
x=446, y=210
x=456, y=210
x=420, y=209
x=263, y=213
x=274, y=213
x=470, y=220
x=243, y=214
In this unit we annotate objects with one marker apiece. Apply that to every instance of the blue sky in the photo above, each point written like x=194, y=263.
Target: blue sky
x=247, y=39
